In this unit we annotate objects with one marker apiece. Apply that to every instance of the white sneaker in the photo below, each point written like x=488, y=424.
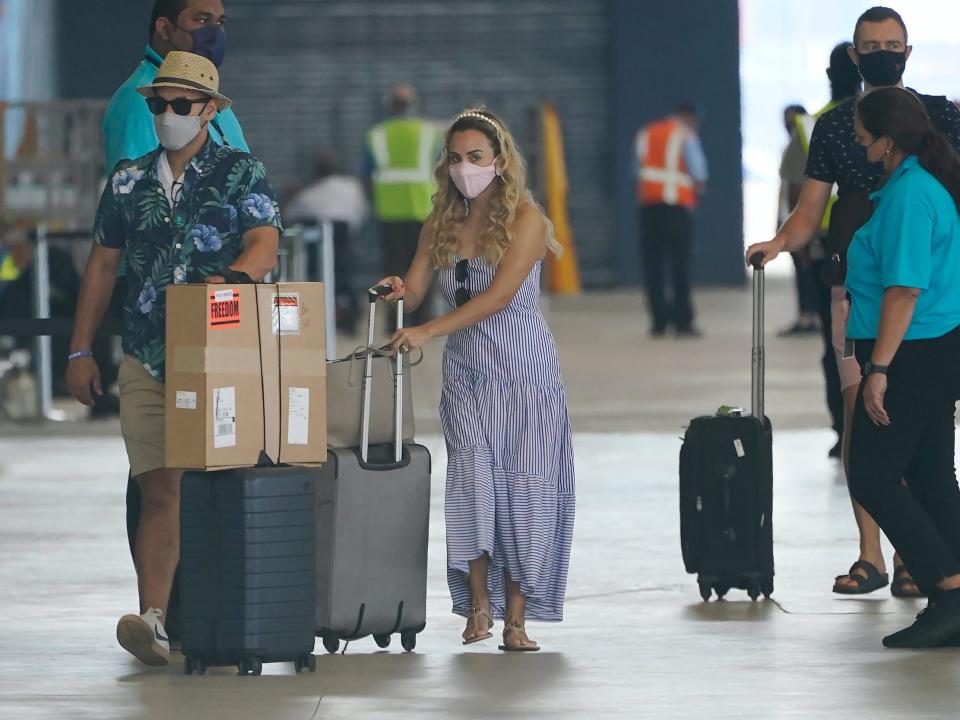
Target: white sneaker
x=143, y=637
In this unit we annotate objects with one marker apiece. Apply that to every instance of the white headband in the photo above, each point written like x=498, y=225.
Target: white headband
x=478, y=116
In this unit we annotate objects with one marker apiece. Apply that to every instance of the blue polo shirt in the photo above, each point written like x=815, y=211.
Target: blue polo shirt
x=911, y=240
x=128, y=130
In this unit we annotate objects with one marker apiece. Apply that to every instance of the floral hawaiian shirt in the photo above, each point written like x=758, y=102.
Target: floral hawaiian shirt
x=225, y=194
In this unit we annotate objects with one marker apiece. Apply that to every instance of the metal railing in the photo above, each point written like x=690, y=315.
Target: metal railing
x=54, y=174
x=296, y=245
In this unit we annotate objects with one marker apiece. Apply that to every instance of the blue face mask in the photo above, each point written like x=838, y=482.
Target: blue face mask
x=209, y=42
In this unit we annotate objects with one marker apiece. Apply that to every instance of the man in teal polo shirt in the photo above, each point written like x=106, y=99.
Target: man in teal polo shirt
x=191, y=25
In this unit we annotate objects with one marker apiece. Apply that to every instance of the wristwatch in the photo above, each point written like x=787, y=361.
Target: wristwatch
x=870, y=368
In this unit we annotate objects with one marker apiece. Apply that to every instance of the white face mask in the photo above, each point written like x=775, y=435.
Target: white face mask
x=471, y=180
x=176, y=131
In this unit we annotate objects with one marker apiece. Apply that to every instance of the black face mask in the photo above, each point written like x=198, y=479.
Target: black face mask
x=882, y=68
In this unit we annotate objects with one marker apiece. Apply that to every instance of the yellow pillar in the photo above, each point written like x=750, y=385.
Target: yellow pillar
x=563, y=273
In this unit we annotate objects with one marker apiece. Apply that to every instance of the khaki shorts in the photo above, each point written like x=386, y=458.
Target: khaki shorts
x=141, y=416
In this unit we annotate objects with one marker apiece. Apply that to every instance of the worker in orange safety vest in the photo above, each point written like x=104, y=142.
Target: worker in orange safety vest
x=671, y=173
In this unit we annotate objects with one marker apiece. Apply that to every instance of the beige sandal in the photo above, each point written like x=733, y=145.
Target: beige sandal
x=517, y=628
x=475, y=614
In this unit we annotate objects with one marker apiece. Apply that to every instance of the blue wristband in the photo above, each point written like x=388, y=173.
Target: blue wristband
x=79, y=354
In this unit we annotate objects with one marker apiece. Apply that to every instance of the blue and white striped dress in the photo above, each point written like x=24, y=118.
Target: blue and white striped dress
x=510, y=479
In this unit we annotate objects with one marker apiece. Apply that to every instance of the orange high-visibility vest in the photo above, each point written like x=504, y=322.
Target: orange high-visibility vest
x=662, y=175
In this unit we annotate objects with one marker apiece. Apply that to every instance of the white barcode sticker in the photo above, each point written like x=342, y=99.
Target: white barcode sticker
x=738, y=446
x=224, y=417
x=186, y=400
x=286, y=314
x=298, y=416
x=223, y=295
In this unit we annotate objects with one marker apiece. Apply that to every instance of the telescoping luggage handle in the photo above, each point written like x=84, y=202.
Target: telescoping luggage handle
x=757, y=379
x=374, y=294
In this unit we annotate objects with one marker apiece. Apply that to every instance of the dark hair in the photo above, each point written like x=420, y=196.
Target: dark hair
x=901, y=116
x=795, y=108
x=169, y=9
x=878, y=14
x=686, y=108
x=843, y=73
x=326, y=164
x=474, y=123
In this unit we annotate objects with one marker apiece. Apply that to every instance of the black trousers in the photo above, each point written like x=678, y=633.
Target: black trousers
x=807, y=281
x=399, y=243
x=667, y=237
x=828, y=361
x=922, y=519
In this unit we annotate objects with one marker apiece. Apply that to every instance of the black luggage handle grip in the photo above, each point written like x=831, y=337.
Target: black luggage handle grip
x=378, y=291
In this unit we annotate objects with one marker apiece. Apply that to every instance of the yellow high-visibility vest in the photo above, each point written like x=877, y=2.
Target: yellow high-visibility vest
x=8, y=271
x=404, y=151
x=805, y=125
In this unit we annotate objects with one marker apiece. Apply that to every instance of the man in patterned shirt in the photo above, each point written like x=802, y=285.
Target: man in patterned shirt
x=189, y=211
x=880, y=52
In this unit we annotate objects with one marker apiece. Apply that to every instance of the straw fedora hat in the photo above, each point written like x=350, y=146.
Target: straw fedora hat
x=190, y=72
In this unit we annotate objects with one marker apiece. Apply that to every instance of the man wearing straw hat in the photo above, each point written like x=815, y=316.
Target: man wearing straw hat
x=191, y=210
x=197, y=26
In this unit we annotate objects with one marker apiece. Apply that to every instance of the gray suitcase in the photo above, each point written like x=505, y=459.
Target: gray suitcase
x=373, y=516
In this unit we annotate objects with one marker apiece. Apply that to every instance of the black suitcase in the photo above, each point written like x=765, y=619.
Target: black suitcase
x=373, y=521
x=726, y=488
x=247, y=568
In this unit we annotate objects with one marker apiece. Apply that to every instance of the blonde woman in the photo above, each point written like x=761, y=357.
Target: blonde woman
x=510, y=481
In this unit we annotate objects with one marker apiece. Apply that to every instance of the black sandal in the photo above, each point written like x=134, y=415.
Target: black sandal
x=874, y=579
x=902, y=578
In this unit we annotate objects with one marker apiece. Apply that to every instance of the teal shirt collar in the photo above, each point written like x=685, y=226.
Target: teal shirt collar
x=152, y=57
x=911, y=161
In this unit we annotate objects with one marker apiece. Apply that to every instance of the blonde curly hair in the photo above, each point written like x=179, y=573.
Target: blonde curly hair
x=510, y=193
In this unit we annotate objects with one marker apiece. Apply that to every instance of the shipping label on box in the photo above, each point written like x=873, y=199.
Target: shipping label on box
x=224, y=417
x=298, y=416
x=224, y=308
x=286, y=314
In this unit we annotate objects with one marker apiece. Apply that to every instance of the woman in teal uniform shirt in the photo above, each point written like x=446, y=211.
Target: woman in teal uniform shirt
x=904, y=282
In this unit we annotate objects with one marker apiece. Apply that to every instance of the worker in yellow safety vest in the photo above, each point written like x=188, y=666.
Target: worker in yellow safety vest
x=671, y=172
x=401, y=155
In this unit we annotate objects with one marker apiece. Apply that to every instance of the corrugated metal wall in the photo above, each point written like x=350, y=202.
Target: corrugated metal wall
x=307, y=74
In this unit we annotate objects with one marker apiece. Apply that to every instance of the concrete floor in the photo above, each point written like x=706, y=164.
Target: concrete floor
x=637, y=642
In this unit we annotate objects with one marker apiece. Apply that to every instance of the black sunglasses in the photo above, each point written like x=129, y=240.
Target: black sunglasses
x=180, y=105
x=460, y=273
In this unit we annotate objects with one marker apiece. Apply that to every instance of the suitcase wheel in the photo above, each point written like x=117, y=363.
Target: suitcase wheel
x=767, y=589
x=722, y=590
x=754, y=592
x=250, y=666
x=307, y=662
x=408, y=639
x=331, y=643
x=705, y=592
x=382, y=641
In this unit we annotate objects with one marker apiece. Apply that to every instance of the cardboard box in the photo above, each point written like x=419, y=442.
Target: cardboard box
x=246, y=375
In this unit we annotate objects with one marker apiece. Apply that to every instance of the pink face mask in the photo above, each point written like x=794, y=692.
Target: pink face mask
x=470, y=179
